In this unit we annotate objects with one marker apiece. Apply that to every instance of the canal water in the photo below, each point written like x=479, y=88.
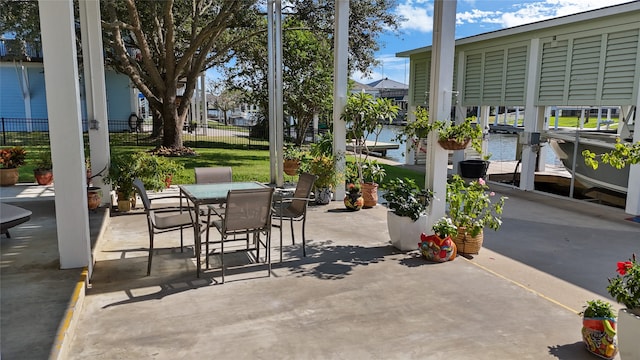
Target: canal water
x=501, y=146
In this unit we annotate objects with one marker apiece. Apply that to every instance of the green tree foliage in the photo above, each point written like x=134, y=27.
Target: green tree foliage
x=621, y=156
x=163, y=46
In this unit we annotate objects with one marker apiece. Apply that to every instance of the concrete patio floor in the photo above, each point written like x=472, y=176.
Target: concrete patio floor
x=354, y=296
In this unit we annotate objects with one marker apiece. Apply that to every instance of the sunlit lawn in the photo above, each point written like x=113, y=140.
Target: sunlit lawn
x=247, y=165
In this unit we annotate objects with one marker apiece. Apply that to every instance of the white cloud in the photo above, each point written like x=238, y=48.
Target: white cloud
x=419, y=15
x=477, y=16
x=526, y=13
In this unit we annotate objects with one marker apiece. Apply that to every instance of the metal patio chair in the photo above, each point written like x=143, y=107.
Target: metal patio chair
x=295, y=208
x=160, y=220
x=246, y=212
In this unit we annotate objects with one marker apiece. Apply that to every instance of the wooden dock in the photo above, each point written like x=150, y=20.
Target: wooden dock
x=379, y=148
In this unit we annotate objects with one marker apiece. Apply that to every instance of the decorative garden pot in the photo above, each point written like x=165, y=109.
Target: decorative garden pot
x=290, y=167
x=468, y=244
x=629, y=334
x=94, y=197
x=323, y=196
x=599, y=336
x=404, y=232
x=435, y=248
x=9, y=177
x=43, y=177
x=370, y=194
x=353, y=202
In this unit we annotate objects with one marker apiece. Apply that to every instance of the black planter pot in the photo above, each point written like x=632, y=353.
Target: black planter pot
x=473, y=169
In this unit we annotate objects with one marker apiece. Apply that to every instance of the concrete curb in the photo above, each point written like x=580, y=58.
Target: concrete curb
x=68, y=324
x=67, y=327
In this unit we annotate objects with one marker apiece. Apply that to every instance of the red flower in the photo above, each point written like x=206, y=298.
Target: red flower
x=624, y=266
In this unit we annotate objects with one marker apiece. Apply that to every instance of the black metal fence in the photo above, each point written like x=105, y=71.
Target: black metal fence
x=35, y=132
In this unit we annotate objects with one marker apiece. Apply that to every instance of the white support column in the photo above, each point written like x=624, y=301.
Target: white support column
x=633, y=190
x=410, y=151
x=203, y=102
x=276, y=127
x=65, y=131
x=440, y=91
x=461, y=111
x=532, y=114
x=315, y=125
x=96, y=93
x=340, y=77
x=484, y=122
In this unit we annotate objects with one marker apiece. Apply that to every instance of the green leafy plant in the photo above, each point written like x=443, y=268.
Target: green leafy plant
x=12, y=157
x=598, y=309
x=447, y=130
x=444, y=227
x=625, y=287
x=405, y=198
x=43, y=161
x=373, y=172
x=292, y=152
x=324, y=167
x=153, y=170
x=364, y=116
x=621, y=156
x=470, y=205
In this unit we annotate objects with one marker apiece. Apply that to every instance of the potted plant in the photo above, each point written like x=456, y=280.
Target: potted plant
x=353, y=199
x=124, y=168
x=471, y=210
x=156, y=171
x=364, y=116
x=292, y=156
x=43, y=170
x=11, y=159
x=451, y=136
x=625, y=288
x=406, y=218
x=324, y=167
x=372, y=174
x=599, y=329
x=439, y=247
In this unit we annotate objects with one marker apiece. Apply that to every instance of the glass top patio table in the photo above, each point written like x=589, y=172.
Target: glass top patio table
x=202, y=194
x=215, y=193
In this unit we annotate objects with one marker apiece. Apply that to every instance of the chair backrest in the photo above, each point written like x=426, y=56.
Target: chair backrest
x=213, y=175
x=139, y=186
x=303, y=190
x=248, y=209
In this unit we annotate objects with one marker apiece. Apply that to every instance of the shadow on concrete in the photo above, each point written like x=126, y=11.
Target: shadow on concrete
x=570, y=351
x=35, y=292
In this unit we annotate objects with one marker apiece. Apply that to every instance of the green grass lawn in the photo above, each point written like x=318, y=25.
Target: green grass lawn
x=569, y=121
x=247, y=165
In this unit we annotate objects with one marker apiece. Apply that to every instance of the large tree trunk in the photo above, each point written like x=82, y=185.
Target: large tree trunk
x=172, y=121
x=156, y=131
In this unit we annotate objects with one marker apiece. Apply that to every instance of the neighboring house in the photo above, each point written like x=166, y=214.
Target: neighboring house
x=388, y=89
x=23, y=94
x=580, y=60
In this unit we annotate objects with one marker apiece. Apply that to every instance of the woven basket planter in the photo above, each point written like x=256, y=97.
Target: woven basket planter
x=370, y=194
x=452, y=144
x=468, y=244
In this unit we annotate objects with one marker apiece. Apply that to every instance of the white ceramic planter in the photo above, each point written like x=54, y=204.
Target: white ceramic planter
x=404, y=232
x=628, y=335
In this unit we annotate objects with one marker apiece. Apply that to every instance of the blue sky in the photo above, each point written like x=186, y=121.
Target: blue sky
x=473, y=17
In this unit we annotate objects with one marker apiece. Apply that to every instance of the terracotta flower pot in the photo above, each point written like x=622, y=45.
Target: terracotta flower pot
x=43, y=177
x=370, y=194
x=9, y=177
